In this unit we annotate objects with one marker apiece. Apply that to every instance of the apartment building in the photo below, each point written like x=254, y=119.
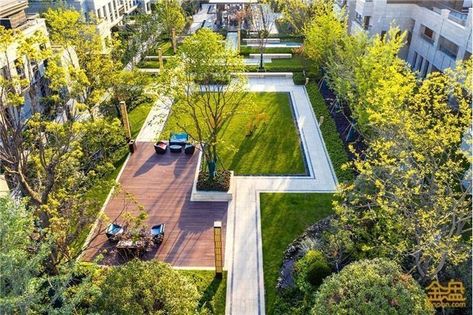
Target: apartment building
x=438, y=32
x=13, y=16
x=106, y=13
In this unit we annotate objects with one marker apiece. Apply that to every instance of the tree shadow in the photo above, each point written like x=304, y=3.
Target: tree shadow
x=209, y=294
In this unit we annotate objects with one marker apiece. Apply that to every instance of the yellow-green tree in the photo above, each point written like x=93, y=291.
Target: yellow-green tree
x=171, y=16
x=407, y=202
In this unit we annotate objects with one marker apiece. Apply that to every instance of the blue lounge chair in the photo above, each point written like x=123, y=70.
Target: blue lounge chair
x=179, y=138
x=157, y=233
x=114, y=231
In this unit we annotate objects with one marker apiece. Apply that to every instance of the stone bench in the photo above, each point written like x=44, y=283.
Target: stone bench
x=268, y=74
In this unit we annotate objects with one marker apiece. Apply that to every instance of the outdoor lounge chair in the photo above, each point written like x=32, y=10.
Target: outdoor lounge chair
x=179, y=138
x=114, y=231
x=160, y=147
x=157, y=233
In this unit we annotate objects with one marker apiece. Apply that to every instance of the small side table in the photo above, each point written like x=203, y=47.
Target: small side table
x=175, y=148
x=189, y=148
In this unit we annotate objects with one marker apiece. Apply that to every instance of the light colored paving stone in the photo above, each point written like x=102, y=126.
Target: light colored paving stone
x=155, y=121
x=244, y=254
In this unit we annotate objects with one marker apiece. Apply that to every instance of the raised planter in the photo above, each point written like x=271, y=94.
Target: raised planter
x=201, y=195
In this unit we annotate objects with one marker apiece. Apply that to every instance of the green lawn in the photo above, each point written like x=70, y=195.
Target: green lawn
x=274, y=148
x=284, y=217
x=213, y=290
x=294, y=64
x=166, y=48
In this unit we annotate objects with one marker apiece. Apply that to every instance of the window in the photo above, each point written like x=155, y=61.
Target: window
x=467, y=55
x=448, y=47
x=358, y=18
x=419, y=64
x=383, y=33
x=366, y=22
x=413, y=64
x=425, y=69
x=427, y=34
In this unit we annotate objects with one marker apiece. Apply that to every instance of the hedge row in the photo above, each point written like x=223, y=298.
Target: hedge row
x=335, y=146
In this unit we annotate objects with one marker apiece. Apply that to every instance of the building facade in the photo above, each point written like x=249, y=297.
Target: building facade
x=105, y=13
x=438, y=32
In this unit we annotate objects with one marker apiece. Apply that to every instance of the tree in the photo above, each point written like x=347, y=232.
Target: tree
x=171, y=16
x=371, y=287
x=204, y=82
x=25, y=286
x=97, y=68
x=407, y=202
x=323, y=34
x=297, y=13
x=262, y=21
x=146, y=288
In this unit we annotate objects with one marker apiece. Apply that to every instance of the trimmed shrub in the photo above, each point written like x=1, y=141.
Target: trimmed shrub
x=298, y=78
x=146, y=288
x=371, y=287
x=334, y=144
x=311, y=270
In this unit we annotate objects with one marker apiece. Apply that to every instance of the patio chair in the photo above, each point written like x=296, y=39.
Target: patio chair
x=157, y=233
x=161, y=147
x=114, y=231
x=178, y=138
x=189, y=148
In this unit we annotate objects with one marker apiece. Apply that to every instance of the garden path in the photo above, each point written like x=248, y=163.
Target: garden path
x=244, y=253
x=155, y=121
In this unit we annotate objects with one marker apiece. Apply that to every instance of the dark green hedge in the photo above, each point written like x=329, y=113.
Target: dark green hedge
x=334, y=144
x=298, y=78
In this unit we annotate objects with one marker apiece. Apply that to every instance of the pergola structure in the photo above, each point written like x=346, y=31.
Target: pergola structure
x=227, y=9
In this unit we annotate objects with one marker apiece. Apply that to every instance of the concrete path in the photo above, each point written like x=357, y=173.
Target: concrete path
x=244, y=254
x=201, y=16
x=155, y=121
x=231, y=41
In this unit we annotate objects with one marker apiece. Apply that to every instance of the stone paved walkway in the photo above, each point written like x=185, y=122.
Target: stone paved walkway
x=155, y=121
x=244, y=254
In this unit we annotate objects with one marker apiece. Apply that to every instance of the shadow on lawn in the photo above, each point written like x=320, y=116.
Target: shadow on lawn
x=209, y=293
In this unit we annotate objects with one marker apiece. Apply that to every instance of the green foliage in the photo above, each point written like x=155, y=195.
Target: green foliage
x=25, y=284
x=311, y=270
x=322, y=35
x=333, y=143
x=246, y=50
x=146, y=288
x=283, y=218
x=212, y=290
x=371, y=287
x=407, y=203
x=171, y=15
x=298, y=78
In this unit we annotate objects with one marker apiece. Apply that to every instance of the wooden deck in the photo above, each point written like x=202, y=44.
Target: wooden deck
x=162, y=184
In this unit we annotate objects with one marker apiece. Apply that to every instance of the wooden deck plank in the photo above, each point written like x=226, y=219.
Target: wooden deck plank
x=162, y=184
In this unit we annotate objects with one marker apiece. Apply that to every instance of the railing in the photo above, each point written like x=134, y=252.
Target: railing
x=454, y=15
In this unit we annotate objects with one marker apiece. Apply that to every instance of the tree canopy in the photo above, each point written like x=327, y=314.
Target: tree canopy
x=371, y=287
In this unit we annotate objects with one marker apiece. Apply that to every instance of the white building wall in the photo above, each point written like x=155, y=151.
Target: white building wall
x=422, y=54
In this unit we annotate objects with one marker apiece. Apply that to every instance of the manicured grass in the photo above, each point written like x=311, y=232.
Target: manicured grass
x=246, y=50
x=150, y=64
x=137, y=118
x=284, y=217
x=334, y=144
x=213, y=290
x=274, y=148
x=166, y=48
x=296, y=64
